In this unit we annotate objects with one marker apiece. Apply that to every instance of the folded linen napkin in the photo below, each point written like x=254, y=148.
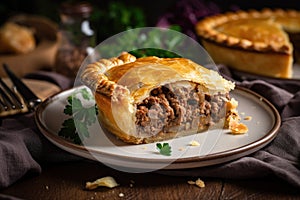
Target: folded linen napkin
x=23, y=149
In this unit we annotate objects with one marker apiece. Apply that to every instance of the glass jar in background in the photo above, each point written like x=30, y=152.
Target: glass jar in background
x=77, y=37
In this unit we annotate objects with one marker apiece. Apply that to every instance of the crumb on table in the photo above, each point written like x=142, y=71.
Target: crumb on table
x=198, y=183
x=107, y=181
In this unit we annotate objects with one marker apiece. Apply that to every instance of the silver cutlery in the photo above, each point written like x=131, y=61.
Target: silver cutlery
x=9, y=100
x=17, y=99
x=31, y=100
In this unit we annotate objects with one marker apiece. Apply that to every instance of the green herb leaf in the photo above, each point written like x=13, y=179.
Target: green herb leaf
x=164, y=149
x=85, y=94
x=159, y=146
x=68, y=110
x=75, y=128
x=68, y=130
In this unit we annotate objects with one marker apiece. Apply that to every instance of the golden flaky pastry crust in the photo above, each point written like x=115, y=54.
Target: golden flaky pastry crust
x=121, y=83
x=252, y=41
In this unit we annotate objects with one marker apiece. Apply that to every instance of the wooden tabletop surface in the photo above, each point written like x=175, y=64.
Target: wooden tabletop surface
x=67, y=181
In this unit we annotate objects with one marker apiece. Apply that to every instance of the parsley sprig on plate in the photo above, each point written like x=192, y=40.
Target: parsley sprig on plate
x=81, y=117
x=164, y=149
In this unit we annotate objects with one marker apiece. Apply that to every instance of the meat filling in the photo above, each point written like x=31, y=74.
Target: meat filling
x=170, y=108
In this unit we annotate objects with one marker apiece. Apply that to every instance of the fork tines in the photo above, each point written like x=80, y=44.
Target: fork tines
x=9, y=100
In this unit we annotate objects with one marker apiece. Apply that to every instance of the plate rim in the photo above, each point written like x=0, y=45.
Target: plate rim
x=175, y=163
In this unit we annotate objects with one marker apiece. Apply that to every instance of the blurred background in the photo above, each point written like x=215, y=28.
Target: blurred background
x=110, y=17
x=64, y=52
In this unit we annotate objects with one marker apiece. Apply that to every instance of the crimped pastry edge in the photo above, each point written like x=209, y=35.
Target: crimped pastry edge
x=205, y=29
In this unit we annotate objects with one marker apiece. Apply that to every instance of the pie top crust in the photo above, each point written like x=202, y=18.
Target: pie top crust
x=138, y=76
x=261, y=31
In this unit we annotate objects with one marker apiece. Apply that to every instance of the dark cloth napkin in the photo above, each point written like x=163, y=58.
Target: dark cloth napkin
x=23, y=149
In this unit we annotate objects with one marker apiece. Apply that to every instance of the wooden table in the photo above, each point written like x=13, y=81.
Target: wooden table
x=67, y=181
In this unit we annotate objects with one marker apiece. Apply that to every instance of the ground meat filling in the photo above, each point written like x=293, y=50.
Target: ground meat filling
x=173, y=109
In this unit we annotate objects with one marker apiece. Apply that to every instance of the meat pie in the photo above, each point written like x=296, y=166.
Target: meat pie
x=144, y=100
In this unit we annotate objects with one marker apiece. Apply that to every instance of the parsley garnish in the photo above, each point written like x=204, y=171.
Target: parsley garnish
x=75, y=128
x=164, y=149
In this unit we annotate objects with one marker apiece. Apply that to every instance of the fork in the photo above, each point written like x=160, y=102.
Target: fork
x=10, y=102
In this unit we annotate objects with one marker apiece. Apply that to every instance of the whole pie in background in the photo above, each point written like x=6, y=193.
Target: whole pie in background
x=261, y=42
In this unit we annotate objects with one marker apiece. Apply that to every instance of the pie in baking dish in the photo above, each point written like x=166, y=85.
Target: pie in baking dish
x=143, y=100
x=253, y=41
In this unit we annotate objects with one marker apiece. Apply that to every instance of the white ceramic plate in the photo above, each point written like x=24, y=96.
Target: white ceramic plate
x=216, y=146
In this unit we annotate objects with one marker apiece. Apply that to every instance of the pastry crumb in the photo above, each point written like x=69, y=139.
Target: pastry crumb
x=181, y=149
x=194, y=143
x=131, y=183
x=121, y=194
x=107, y=181
x=191, y=182
x=198, y=183
x=238, y=129
x=233, y=121
x=248, y=118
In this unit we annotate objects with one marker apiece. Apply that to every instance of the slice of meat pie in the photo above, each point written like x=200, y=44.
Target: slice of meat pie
x=153, y=99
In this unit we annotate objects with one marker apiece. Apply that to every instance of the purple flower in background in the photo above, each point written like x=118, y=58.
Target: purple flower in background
x=186, y=13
